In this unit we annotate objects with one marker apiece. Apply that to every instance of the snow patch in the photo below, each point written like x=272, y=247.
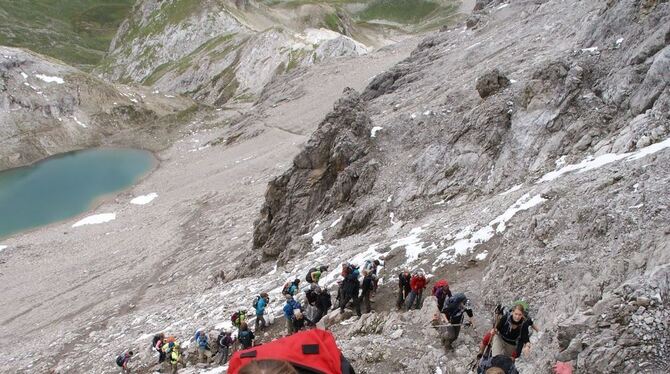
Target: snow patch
x=50, y=79
x=96, y=219
x=503, y=6
x=512, y=189
x=590, y=50
x=482, y=256
x=144, y=199
x=373, y=132
x=591, y=163
x=414, y=247
x=24, y=75
x=79, y=122
x=3, y=247
x=317, y=238
x=336, y=222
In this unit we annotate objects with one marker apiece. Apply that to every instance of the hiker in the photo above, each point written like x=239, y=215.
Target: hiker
x=157, y=344
x=246, y=336
x=417, y=284
x=498, y=365
x=123, y=361
x=510, y=334
x=314, y=274
x=260, y=303
x=404, y=288
x=323, y=301
x=290, y=309
x=173, y=350
x=367, y=287
x=225, y=341
x=291, y=287
x=442, y=292
x=454, y=309
x=311, y=315
x=238, y=318
x=204, y=352
x=371, y=267
x=311, y=293
x=350, y=288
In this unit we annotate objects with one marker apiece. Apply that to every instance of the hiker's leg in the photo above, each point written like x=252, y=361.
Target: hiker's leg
x=410, y=300
x=497, y=346
x=258, y=322
x=418, y=299
x=356, y=305
x=400, y=300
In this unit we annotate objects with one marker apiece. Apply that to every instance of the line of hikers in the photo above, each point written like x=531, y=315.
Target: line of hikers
x=498, y=349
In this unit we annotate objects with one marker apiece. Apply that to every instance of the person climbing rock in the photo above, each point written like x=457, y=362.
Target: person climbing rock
x=455, y=309
x=417, y=284
x=323, y=301
x=314, y=274
x=204, y=351
x=350, y=288
x=367, y=287
x=225, y=342
x=404, y=288
x=157, y=344
x=291, y=287
x=311, y=293
x=372, y=267
x=123, y=361
x=246, y=336
x=173, y=350
x=290, y=309
x=260, y=302
x=442, y=292
x=510, y=334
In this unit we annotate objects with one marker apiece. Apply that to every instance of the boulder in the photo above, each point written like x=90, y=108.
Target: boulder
x=491, y=82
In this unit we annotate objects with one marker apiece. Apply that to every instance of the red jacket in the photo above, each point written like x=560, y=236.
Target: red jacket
x=418, y=283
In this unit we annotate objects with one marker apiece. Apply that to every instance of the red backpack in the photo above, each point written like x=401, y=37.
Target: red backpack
x=310, y=352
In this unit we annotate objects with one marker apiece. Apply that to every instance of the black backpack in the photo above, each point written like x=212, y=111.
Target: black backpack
x=245, y=338
x=119, y=359
x=256, y=299
x=308, y=277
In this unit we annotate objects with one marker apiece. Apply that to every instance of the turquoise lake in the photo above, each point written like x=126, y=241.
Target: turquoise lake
x=66, y=185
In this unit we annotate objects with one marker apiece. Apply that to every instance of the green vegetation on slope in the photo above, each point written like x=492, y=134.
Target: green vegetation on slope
x=401, y=11
x=75, y=31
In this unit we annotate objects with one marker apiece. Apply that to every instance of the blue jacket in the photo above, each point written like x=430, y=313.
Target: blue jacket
x=260, y=306
x=288, y=308
x=293, y=289
x=202, y=341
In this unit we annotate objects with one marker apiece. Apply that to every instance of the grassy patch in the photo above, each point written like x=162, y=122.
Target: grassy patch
x=401, y=11
x=75, y=31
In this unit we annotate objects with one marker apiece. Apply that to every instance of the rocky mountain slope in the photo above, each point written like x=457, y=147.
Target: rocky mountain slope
x=215, y=51
x=47, y=108
x=521, y=156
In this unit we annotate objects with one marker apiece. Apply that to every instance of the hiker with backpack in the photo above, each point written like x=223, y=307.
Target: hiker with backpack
x=204, y=351
x=123, y=361
x=225, y=341
x=372, y=267
x=323, y=301
x=173, y=351
x=442, y=292
x=291, y=287
x=404, y=288
x=455, y=309
x=246, y=336
x=314, y=274
x=350, y=288
x=238, y=318
x=157, y=344
x=291, y=310
x=260, y=302
x=367, y=288
x=417, y=284
x=510, y=334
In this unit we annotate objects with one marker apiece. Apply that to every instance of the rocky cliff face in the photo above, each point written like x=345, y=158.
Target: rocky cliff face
x=48, y=108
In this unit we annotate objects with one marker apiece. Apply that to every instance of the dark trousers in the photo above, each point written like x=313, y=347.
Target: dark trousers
x=354, y=299
x=161, y=356
x=402, y=296
x=223, y=350
x=365, y=303
x=260, y=322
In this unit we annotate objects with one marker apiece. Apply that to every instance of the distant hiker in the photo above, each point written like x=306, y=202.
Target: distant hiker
x=123, y=361
x=372, y=267
x=246, y=337
x=157, y=344
x=291, y=287
x=238, y=318
x=173, y=350
x=314, y=274
x=441, y=292
x=204, y=352
x=511, y=333
x=350, y=288
x=455, y=309
x=367, y=287
x=225, y=341
x=323, y=301
x=417, y=284
x=404, y=288
x=291, y=310
x=260, y=302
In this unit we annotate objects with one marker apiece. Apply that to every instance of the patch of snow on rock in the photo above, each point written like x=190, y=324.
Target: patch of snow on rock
x=50, y=79
x=373, y=132
x=144, y=199
x=317, y=238
x=96, y=219
x=512, y=189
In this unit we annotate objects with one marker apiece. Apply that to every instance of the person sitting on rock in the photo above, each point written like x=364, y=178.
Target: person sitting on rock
x=404, y=288
x=455, y=309
x=510, y=334
x=290, y=309
x=246, y=336
x=350, y=288
x=367, y=287
x=417, y=284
